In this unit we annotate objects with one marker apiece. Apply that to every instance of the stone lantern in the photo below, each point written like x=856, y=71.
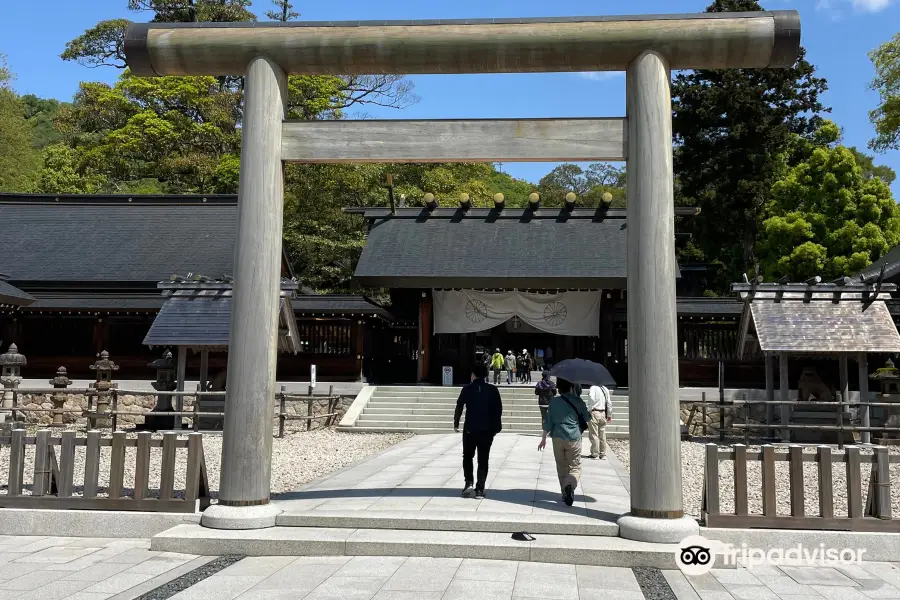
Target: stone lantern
x=11, y=363
x=103, y=384
x=888, y=378
x=60, y=383
x=165, y=382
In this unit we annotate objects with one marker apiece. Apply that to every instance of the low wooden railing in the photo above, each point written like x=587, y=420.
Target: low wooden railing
x=53, y=483
x=872, y=514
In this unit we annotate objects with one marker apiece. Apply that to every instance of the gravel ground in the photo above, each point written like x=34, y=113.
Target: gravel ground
x=693, y=458
x=298, y=458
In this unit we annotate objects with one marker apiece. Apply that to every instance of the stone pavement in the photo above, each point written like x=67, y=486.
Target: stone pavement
x=56, y=568
x=124, y=569
x=422, y=476
x=863, y=581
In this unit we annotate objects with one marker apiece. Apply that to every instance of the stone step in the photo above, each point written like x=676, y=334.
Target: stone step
x=316, y=541
x=612, y=432
x=533, y=420
x=554, y=524
x=377, y=410
x=422, y=409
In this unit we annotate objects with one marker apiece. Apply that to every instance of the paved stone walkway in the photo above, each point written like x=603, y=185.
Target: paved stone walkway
x=865, y=581
x=424, y=473
x=55, y=568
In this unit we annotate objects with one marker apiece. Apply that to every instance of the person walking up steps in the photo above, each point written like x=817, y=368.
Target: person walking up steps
x=510, y=367
x=483, y=421
x=601, y=414
x=545, y=390
x=497, y=365
x=566, y=421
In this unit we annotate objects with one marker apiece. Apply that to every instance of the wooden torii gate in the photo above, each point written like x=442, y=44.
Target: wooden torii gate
x=646, y=47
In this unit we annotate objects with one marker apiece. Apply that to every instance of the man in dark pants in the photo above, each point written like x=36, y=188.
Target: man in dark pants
x=483, y=410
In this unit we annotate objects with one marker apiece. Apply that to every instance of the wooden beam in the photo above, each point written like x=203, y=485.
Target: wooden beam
x=454, y=140
x=561, y=44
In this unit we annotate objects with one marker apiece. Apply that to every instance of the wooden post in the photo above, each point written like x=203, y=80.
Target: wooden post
x=795, y=458
x=703, y=413
x=41, y=485
x=309, y=409
x=91, y=463
x=246, y=470
x=854, y=484
x=844, y=380
x=16, y=462
x=204, y=370
x=862, y=359
x=770, y=393
x=67, y=463
x=882, y=473
x=358, y=331
x=167, y=472
x=721, y=401
x=740, y=480
x=424, y=337
x=180, y=375
x=784, y=389
x=281, y=409
x=712, y=479
x=826, y=483
x=768, y=481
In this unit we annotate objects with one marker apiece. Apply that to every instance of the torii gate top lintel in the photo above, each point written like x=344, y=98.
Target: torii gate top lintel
x=769, y=39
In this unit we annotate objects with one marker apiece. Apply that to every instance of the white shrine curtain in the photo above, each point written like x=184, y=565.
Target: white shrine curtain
x=469, y=311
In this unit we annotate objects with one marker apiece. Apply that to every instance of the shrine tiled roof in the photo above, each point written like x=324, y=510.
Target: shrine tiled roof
x=486, y=248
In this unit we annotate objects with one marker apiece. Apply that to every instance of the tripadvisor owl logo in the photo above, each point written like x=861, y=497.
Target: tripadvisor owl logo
x=696, y=555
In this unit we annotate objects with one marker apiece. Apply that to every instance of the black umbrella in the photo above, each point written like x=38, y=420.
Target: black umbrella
x=578, y=370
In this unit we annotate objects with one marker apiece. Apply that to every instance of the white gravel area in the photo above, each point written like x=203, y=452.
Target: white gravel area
x=298, y=458
x=693, y=460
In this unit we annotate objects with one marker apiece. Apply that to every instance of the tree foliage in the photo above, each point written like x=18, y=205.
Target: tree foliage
x=732, y=129
x=826, y=216
x=18, y=158
x=589, y=185
x=886, y=117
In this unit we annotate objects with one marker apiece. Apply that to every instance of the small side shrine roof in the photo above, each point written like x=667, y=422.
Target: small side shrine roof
x=13, y=296
x=813, y=318
x=197, y=313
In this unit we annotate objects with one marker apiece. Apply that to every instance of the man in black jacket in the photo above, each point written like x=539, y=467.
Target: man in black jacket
x=483, y=411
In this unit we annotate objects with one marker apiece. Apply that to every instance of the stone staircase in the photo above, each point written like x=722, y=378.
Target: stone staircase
x=429, y=409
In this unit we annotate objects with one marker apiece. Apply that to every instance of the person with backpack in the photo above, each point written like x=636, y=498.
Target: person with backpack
x=567, y=419
x=497, y=365
x=510, y=367
x=484, y=409
x=544, y=390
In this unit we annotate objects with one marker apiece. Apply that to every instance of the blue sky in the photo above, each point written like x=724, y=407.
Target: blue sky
x=837, y=34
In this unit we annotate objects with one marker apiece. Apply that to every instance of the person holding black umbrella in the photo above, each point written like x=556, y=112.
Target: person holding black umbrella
x=567, y=418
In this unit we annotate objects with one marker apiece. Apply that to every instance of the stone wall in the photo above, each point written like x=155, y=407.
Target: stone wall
x=77, y=403
x=733, y=415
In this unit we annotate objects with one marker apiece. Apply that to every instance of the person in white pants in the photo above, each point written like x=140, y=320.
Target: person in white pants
x=601, y=414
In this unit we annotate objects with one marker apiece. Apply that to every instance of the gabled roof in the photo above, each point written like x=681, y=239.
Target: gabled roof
x=199, y=314
x=817, y=319
x=13, y=296
x=487, y=248
x=115, y=238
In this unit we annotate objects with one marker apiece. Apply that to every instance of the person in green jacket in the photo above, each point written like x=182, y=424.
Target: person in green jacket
x=497, y=365
x=562, y=424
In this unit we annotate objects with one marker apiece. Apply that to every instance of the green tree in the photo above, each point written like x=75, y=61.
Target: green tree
x=60, y=175
x=870, y=169
x=589, y=185
x=18, y=158
x=886, y=117
x=826, y=217
x=732, y=130
x=40, y=112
